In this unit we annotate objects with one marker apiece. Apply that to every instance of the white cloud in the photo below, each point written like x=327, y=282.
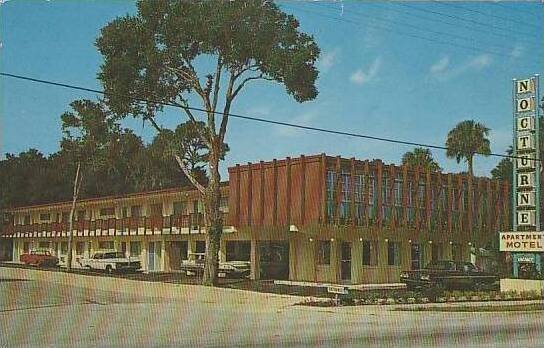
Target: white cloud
x=361, y=77
x=440, y=66
x=479, y=62
x=517, y=51
x=304, y=119
x=328, y=60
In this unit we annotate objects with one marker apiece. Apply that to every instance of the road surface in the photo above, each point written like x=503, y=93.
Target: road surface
x=40, y=308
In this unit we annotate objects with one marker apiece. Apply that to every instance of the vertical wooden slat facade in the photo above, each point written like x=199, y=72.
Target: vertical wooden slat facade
x=293, y=191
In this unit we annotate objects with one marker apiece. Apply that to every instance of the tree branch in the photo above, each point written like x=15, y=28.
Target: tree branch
x=217, y=80
x=226, y=109
x=246, y=80
x=190, y=176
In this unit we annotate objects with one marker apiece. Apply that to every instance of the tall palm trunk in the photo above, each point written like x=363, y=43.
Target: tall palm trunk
x=470, y=168
x=77, y=186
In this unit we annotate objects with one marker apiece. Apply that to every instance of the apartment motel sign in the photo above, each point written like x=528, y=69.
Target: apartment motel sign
x=526, y=236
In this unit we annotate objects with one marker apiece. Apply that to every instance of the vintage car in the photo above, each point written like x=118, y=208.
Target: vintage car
x=447, y=274
x=40, y=257
x=194, y=265
x=111, y=261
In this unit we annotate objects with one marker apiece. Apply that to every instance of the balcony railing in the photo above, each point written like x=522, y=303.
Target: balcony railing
x=191, y=223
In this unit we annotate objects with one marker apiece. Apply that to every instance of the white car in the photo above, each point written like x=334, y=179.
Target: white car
x=111, y=261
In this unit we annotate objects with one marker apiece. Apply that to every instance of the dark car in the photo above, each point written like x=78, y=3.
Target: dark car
x=40, y=258
x=447, y=274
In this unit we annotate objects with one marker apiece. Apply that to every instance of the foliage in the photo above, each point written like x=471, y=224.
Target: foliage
x=465, y=140
x=421, y=157
x=153, y=59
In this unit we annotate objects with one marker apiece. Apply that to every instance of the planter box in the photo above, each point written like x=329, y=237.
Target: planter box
x=520, y=285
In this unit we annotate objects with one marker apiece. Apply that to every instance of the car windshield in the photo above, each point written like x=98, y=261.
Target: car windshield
x=114, y=255
x=441, y=265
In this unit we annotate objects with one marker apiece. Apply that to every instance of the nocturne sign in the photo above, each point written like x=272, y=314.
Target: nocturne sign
x=526, y=189
x=522, y=241
x=525, y=241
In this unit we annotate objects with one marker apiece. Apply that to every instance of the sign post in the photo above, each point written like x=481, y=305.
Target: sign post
x=526, y=242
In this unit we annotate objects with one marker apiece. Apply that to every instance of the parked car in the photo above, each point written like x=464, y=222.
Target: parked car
x=447, y=274
x=40, y=258
x=194, y=265
x=111, y=261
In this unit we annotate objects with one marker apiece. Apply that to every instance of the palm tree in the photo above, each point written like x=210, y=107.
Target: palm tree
x=467, y=139
x=421, y=157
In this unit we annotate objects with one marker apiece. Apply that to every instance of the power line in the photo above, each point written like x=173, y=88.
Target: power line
x=403, y=33
x=252, y=118
x=512, y=8
x=456, y=25
x=464, y=19
x=483, y=13
x=426, y=30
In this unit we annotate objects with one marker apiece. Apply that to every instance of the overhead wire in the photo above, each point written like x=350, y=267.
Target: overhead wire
x=373, y=17
x=403, y=33
x=257, y=119
x=421, y=9
x=468, y=9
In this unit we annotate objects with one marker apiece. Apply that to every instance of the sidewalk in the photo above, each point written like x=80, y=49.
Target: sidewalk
x=360, y=287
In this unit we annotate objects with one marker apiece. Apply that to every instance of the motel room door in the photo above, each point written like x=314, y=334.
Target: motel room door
x=345, y=261
x=154, y=256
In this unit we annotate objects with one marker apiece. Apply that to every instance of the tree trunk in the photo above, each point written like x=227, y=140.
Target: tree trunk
x=213, y=219
x=77, y=183
x=470, y=170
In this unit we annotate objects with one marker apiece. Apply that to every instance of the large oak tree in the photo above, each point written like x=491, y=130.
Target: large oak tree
x=156, y=55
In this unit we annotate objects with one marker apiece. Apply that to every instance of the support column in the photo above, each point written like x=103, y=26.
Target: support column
x=293, y=260
x=254, y=260
x=164, y=256
x=357, y=262
x=143, y=257
x=447, y=251
x=223, y=251
x=335, y=261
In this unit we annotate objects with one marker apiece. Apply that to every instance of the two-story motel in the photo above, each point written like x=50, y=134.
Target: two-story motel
x=311, y=218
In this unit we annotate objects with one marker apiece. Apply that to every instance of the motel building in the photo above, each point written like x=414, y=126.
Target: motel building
x=312, y=218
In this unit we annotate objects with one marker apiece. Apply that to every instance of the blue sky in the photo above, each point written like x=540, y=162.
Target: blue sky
x=386, y=69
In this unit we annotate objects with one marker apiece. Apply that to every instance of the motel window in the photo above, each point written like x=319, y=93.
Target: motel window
x=456, y=252
x=80, y=248
x=63, y=248
x=45, y=217
x=393, y=253
x=331, y=189
x=324, y=252
x=346, y=195
x=370, y=253
x=124, y=212
x=200, y=247
x=238, y=250
x=371, y=195
x=136, y=211
x=65, y=217
x=80, y=215
x=26, y=220
x=135, y=249
x=398, y=191
x=156, y=209
x=110, y=211
x=359, y=194
x=386, y=199
x=421, y=194
x=180, y=208
x=106, y=244
x=26, y=247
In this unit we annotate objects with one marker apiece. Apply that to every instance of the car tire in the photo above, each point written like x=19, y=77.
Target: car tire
x=109, y=269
